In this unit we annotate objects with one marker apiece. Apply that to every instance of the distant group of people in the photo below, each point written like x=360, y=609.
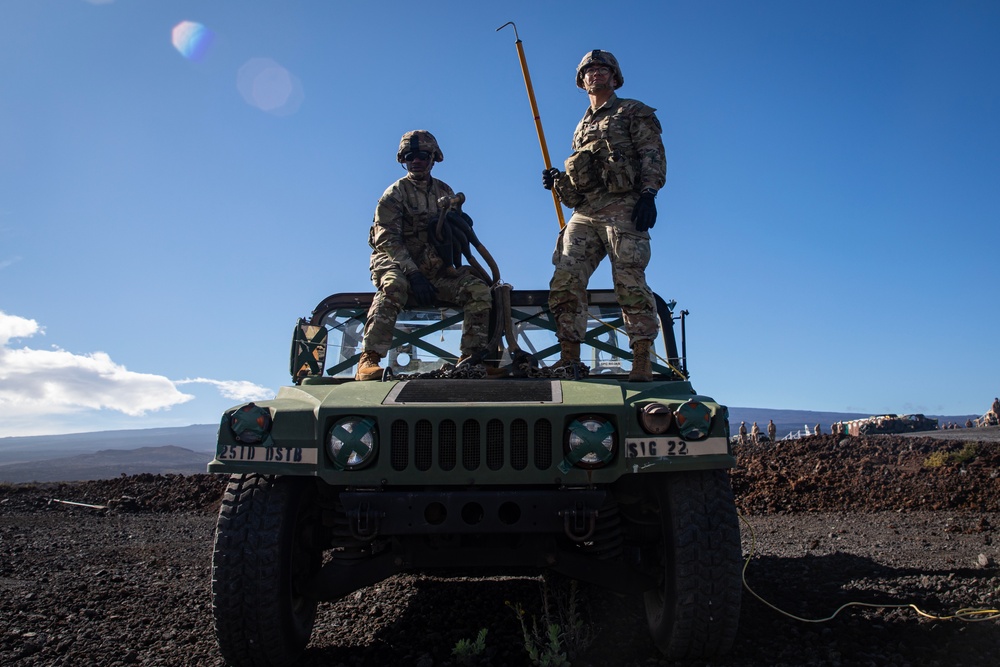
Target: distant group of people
x=950, y=425
x=991, y=418
x=754, y=435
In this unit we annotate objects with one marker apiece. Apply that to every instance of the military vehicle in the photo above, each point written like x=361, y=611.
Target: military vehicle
x=887, y=424
x=337, y=484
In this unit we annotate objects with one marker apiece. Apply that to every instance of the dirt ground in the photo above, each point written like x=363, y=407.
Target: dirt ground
x=905, y=524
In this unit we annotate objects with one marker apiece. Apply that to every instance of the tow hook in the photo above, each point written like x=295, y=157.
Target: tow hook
x=579, y=523
x=363, y=522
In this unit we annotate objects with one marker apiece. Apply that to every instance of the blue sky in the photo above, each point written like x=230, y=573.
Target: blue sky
x=829, y=218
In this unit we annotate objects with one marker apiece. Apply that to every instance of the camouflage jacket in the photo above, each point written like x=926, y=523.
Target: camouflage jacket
x=406, y=212
x=618, y=151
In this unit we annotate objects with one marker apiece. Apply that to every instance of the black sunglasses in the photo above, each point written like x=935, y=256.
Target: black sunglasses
x=418, y=155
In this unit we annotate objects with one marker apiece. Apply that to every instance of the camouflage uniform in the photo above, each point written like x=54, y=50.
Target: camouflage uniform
x=617, y=152
x=405, y=215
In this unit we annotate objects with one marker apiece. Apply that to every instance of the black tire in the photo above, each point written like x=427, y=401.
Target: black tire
x=695, y=611
x=265, y=550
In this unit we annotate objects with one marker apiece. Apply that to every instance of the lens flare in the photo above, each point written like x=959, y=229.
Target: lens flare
x=192, y=39
x=268, y=86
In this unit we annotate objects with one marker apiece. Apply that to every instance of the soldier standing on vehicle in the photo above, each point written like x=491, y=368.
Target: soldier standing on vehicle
x=406, y=267
x=817, y=430
x=772, y=430
x=743, y=433
x=611, y=180
x=996, y=407
x=755, y=432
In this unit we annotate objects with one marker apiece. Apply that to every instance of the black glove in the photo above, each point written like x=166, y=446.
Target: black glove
x=644, y=213
x=549, y=177
x=422, y=288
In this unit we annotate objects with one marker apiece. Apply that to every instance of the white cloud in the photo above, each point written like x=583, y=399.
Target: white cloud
x=47, y=383
x=238, y=390
x=4, y=263
x=12, y=326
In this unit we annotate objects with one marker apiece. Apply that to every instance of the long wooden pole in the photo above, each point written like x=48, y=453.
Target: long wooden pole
x=534, y=112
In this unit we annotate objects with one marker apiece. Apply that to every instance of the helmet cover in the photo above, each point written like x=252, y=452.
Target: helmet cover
x=598, y=57
x=419, y=140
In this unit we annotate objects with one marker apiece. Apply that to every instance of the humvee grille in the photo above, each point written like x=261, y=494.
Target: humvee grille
x=504, y=445
x=470, y=444
x=543, y=444
x=400, y=456
x=494, y=444
x=447, y=453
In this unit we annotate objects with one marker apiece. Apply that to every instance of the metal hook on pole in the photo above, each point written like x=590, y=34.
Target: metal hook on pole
x=534, y=112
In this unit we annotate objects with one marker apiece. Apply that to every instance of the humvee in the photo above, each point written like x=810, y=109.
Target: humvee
x=337, y=484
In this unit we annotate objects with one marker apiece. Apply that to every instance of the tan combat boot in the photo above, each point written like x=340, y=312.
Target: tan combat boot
x=368, y=368
x=642, y=367
x=569, y=355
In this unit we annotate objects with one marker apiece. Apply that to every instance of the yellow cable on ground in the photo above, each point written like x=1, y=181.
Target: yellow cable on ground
x=965, y=614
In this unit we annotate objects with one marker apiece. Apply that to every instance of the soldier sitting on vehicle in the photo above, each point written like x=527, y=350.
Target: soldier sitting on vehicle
x=406, y=266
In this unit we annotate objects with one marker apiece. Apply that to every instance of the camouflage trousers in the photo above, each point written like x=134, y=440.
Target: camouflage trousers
x=464, y=290
x=581, y=246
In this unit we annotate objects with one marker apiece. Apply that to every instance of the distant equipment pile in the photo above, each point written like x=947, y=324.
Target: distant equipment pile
x=989, y=419
x=889, y=424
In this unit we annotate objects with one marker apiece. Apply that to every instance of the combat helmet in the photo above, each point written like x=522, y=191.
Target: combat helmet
x=419, y=140
x=599, y=57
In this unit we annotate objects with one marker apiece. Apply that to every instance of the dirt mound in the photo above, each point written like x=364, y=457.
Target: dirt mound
x=131, y=493
x=874, y=473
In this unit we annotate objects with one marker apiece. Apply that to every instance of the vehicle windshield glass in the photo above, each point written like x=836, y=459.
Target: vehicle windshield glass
x=427, y=339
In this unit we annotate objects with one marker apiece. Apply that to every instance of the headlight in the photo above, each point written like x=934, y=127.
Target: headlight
x=655, y=418
x=352, y=442
x=590, y=443
x=694, y=420
x=251, y=424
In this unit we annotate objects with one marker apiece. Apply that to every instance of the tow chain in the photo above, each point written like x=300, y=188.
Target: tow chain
x=478, y=371
x=570, y=372
x=447, y=372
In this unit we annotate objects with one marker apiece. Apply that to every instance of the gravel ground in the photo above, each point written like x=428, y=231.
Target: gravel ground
x=884, y=521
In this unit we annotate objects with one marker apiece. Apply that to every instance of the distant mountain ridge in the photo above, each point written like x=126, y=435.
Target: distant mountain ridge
x=197, y=437
x=108, y=464
x=188, y=449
